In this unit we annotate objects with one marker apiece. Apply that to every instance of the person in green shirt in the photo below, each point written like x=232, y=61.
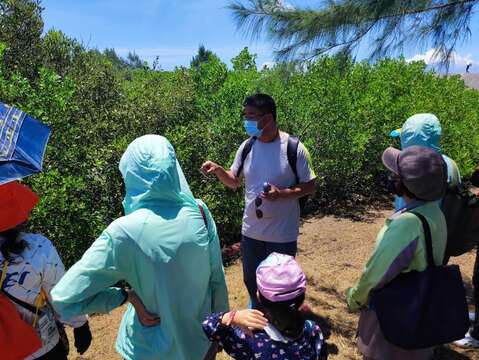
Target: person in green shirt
x=419, y=175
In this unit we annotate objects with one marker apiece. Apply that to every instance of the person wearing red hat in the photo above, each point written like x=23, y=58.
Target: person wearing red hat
x=30, y=267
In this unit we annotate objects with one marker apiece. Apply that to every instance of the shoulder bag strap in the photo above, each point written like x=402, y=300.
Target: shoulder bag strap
x=428, y=239
x=202, y=211
x=33, y=309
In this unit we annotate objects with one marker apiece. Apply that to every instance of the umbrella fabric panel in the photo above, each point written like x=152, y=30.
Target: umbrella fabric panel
x=23, y=141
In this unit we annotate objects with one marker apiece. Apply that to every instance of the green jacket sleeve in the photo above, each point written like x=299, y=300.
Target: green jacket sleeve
x=394, y=251
x=87, y=286
x=217, y=281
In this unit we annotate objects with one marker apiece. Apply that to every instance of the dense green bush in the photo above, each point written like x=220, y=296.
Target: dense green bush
x=97, y=103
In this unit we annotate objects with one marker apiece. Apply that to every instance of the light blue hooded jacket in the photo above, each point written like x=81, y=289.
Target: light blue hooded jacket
x=162, y=248
x=425, y=130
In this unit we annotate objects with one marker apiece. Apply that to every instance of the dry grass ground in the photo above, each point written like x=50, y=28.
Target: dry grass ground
x=332, y=252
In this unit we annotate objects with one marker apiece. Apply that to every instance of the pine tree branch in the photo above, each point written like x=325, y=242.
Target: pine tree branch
x=357, y=38
x=432, y=8
x=277, y=12
x=345, y=24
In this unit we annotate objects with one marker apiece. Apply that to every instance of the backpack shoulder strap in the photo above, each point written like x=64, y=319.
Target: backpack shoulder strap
x=292, y=153
x=244, y=154
x=428, y=238
x=202, y=211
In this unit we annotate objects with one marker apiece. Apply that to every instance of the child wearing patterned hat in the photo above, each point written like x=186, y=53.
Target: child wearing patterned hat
x=279, y=330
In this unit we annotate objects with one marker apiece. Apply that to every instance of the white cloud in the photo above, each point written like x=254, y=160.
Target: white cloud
x=430, y=57
x=285, y=5
x=280, y=5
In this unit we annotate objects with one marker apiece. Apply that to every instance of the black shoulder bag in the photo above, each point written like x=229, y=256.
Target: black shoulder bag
x=422, y=309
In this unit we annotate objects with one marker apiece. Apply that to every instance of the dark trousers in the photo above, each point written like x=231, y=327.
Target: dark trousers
x=253, y=252
x=57, y=353
x=475, y=284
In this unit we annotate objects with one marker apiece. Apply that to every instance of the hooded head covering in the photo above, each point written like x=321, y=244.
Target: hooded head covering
x=152, y=175
x=420, y=130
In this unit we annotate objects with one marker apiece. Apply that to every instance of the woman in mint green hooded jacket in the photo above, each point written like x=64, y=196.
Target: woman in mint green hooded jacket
x=163, y=249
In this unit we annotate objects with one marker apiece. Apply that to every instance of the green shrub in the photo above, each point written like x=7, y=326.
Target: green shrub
x=343, y=112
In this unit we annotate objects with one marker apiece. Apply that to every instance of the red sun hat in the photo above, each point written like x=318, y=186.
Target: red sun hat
x=16, y=203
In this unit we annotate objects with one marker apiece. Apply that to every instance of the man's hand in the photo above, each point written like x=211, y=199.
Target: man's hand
x=226, y=177
x=273, y=194
x=295, y=192
x=145, y=317
x=210, y=167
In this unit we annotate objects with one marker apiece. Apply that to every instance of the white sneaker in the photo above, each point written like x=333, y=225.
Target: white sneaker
x=467, y=342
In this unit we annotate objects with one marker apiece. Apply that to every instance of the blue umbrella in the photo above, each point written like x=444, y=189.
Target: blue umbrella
x=22, y=144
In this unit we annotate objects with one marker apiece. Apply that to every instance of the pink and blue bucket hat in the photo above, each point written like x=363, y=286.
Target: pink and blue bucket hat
x=280, y=278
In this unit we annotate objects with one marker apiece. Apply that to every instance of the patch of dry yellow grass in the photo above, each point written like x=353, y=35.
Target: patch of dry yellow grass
x=332, y=252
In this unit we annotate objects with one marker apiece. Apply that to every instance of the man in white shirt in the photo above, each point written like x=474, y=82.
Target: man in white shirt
x=272, y=187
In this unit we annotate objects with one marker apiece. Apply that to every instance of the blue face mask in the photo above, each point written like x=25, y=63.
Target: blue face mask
x=251, y=128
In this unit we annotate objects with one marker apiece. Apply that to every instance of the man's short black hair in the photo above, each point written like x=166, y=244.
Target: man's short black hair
x=263, y=103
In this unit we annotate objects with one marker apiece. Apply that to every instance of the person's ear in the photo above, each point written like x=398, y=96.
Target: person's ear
x=266, y=120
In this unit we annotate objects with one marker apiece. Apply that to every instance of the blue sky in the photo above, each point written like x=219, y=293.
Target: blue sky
x=173, y=30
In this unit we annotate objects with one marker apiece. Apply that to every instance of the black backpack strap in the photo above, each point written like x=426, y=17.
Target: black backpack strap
x=202, y=211
x=244, y=154
x=23, y=304
x=292, y=153
x=12, y=298
x=428, y=238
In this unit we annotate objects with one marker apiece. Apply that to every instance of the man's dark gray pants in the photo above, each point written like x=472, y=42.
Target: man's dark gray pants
x=253, y=252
